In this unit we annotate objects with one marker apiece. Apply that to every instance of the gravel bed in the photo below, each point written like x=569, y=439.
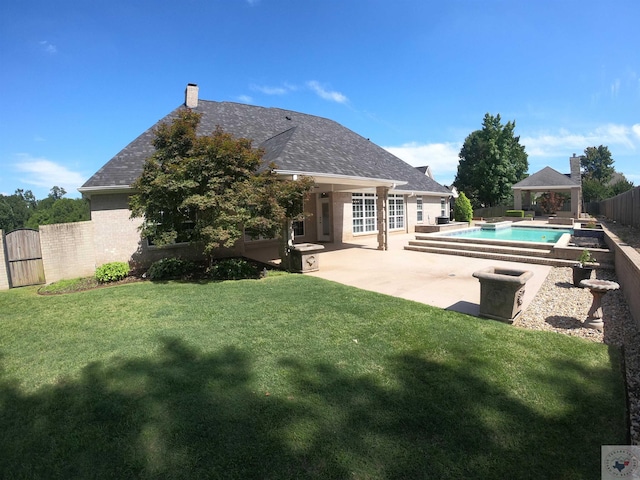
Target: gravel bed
x=560, y=307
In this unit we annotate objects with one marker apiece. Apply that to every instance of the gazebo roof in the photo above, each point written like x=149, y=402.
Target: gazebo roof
x=545, y=179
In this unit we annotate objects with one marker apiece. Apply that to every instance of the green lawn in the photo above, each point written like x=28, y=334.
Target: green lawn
x=292, y=377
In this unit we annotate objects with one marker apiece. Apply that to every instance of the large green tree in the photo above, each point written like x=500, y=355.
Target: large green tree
x=62, y=210
x=620, y=186
x=599, y=178
x=597, y=164
x=22, y=210
x=491, y=161
x=211, y=188
x=16, y=209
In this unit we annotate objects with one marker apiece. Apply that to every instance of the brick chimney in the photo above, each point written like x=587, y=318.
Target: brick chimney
x=574, y=162
x=191, y=96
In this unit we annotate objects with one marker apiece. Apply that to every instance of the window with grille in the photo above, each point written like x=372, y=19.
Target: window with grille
x=364, y=212
x=396, y=211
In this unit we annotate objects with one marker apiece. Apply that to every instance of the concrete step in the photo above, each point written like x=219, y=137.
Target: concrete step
x=481, y=247
x=482, y=241
x=507, y=257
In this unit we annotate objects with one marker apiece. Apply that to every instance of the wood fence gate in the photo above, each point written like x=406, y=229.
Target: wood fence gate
x=24, y=257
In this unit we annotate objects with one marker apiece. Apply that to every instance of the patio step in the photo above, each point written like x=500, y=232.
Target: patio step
x=533, y=251
x=480, y=241
x=507, y=256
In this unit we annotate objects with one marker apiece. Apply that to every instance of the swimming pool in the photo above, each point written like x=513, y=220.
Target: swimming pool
x=513, y=234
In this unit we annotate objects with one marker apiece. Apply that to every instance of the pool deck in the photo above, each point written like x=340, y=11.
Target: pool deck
x=444, y=281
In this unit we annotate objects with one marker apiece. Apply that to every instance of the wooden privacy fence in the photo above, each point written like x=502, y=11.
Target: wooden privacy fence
x=623, y=208
x=24, y=258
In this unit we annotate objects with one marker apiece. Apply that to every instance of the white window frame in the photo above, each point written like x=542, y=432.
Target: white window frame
x=419, y=209
x=363, y=208
x=396, y=206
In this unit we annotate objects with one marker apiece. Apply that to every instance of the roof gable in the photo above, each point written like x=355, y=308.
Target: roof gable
x=293, y=141
x=547, y=177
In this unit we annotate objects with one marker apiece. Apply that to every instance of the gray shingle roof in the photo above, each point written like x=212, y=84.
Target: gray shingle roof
x=547, y=177
x=293, y=141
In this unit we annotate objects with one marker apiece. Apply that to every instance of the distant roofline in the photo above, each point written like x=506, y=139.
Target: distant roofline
x=543, y=187
x=340, y=179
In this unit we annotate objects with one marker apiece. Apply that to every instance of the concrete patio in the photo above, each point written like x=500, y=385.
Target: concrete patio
x=443, y=281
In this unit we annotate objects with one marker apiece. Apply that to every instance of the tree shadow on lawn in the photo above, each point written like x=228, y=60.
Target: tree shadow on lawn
x=186, y=414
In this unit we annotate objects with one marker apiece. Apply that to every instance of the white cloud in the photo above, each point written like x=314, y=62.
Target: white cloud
x=563, y=142
x=245, y=99
x=48, y=47
x=45, y=173
x=441, y=157
x=326, y=94
x=270, y=90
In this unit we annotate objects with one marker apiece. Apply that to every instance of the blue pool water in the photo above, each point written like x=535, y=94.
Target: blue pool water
x=515, y=234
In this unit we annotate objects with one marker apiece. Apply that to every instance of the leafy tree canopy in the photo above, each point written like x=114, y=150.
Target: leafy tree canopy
x=14, y=211
x=22, y=210
x=620, y=186
x=597, y=164
x=599, y=178
x=63, y=210
x=211, y=188
x=593, y=190
x=491, y=161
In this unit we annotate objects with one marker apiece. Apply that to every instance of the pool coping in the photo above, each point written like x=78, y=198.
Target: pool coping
x=560, y=250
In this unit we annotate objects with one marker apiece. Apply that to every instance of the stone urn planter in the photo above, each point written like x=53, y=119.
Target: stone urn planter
x=502, y=292
x=305, y=257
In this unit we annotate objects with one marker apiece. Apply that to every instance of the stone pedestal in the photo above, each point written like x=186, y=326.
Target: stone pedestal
x=598, y=289
x=305, y=257
x=501, y=292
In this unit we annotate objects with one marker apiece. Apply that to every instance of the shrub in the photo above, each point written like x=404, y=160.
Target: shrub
x=462, y=211
x=170, y=268
x=112, y=272
x=233, y=269
x=586, y=257
x=551, y=202
x=514, y=213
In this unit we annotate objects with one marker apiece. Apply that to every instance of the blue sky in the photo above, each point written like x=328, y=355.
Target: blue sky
x=79, y=80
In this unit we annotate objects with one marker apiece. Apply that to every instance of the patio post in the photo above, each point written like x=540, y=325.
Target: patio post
x=576, y=203
x=382, y=215
x=517, y=199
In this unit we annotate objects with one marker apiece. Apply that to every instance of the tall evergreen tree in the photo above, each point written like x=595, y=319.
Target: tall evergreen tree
x=597, y=164
x=491, y=161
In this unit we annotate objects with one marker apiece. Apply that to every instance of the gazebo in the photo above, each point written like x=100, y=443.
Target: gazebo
x=550, y=180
